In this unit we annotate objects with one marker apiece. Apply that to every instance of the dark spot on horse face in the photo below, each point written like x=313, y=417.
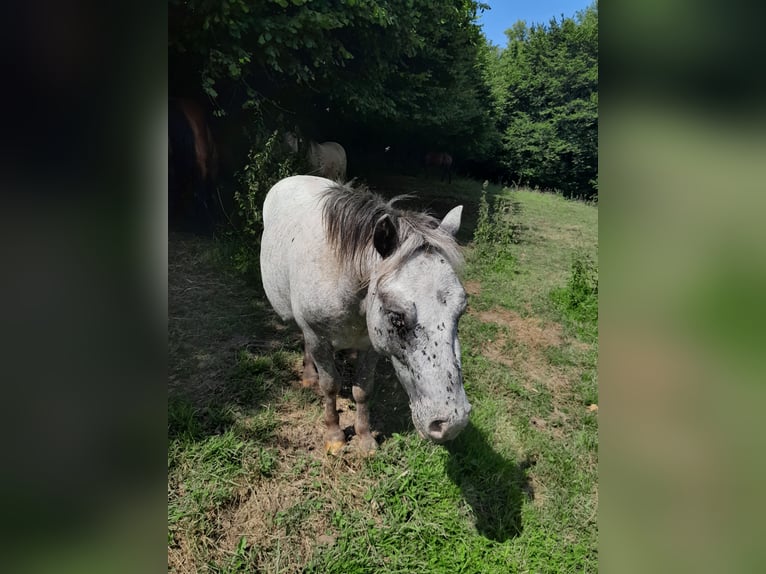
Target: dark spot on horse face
x=399, y=322
x=292, y=240
x=441, y=297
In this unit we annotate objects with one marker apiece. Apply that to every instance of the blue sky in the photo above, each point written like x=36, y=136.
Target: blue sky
x=505, y=13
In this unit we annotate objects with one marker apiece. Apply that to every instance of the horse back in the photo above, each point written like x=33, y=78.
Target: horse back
x=302, y=277
x=329, y=159
x=293, y=242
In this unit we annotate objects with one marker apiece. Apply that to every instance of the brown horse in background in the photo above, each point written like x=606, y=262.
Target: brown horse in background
x=192, y=167
x=442, y=161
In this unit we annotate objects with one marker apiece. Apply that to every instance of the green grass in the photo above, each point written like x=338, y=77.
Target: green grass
x=250, y=490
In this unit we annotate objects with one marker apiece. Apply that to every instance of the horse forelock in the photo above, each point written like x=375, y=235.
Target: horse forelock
x=350, y=216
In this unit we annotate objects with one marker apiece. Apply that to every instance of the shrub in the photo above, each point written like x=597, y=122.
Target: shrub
x=495, y=231
x=578, y=301
x=267, y=163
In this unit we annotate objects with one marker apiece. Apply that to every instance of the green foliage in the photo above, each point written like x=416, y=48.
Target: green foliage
x=545, y=90
x=495, y=231
x=393, y=70
x=409, y=75
x=483, y=234
x=267, y=163
x=583, y=289
x=578, y=301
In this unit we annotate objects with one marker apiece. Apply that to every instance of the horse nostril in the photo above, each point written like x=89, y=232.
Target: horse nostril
x=437, y=427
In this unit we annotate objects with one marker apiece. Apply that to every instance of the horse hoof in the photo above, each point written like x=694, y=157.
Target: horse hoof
x=334, y=447
x=368, y=445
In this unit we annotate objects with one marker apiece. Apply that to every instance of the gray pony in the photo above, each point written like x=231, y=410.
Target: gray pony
x=354, y=272
x=326, y=159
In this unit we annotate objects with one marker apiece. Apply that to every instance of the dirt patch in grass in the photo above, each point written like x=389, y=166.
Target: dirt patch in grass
x=300, y=429
x=265, y=518
x=472, y=287
x=181, y=557
x=523, y=344
x=530, y=331
x=292, y=512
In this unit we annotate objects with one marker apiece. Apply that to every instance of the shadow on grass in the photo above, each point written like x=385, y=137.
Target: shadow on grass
x=228, y=351
x=493, y=486
x=390, y=405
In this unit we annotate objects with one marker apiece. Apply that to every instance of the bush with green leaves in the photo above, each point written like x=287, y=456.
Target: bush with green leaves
x=495, y=229
x=267, y=163
x=395, y=70
x=578, y=301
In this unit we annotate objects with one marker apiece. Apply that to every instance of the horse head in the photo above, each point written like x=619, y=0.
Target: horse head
x=412, y=317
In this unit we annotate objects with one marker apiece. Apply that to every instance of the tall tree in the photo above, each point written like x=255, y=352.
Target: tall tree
x=545, y=89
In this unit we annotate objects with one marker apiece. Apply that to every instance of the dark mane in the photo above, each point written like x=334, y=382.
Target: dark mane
x=350, y=215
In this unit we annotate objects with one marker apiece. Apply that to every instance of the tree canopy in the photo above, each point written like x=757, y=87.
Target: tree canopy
x=545, y=89
x=412, y=74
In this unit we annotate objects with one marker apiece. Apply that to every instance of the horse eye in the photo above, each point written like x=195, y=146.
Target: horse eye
x=397, y=319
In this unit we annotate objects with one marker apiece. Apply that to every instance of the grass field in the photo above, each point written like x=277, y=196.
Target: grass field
x=250, y=489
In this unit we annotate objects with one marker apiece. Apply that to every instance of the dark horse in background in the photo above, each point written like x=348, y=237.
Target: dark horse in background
x=441, y=161
x=192, y=167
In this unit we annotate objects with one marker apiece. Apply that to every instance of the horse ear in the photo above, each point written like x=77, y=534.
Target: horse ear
x=451, y=221
x=385, y=238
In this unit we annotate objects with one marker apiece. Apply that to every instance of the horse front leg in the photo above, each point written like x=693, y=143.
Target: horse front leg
x=329, y=383
x=310, y=375
x=362, y=389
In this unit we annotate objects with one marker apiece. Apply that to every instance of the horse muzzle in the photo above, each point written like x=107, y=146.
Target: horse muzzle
x=444, y=427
